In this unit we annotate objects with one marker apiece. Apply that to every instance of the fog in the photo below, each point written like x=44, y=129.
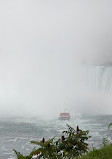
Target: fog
x=47, y=51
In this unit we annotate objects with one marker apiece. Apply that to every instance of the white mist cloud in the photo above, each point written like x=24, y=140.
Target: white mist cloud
x=43, y=46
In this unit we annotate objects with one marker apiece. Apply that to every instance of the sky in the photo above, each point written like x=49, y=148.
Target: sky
x=45, y=49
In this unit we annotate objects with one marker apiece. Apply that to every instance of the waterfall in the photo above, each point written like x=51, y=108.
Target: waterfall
x=99, y=77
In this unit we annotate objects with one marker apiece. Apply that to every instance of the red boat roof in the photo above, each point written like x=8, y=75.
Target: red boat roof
x=64, y=114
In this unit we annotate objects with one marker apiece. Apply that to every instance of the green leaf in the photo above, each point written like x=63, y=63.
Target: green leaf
x=109, y=125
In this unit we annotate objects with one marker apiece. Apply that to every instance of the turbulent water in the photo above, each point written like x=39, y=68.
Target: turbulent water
x=16, y=133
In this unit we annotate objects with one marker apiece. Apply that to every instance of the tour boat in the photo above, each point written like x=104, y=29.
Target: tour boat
x=64, y=116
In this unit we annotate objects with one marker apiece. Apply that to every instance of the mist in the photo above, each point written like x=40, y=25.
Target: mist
x=47, y=52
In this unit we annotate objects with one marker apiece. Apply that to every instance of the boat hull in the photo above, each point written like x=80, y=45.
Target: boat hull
x=64, y=116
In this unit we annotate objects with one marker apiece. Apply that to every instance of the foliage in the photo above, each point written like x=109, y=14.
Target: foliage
x=105, y=142
x=109, y=125
x=72, y=143
x=103, y=153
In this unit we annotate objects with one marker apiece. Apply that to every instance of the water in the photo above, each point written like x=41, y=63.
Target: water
x=99, y=77
x=18, y=132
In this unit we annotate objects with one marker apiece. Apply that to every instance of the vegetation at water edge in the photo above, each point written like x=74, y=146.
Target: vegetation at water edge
x=103, y=153
x=71, y=144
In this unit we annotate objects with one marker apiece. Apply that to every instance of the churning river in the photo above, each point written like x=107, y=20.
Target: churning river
x=17, y=132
